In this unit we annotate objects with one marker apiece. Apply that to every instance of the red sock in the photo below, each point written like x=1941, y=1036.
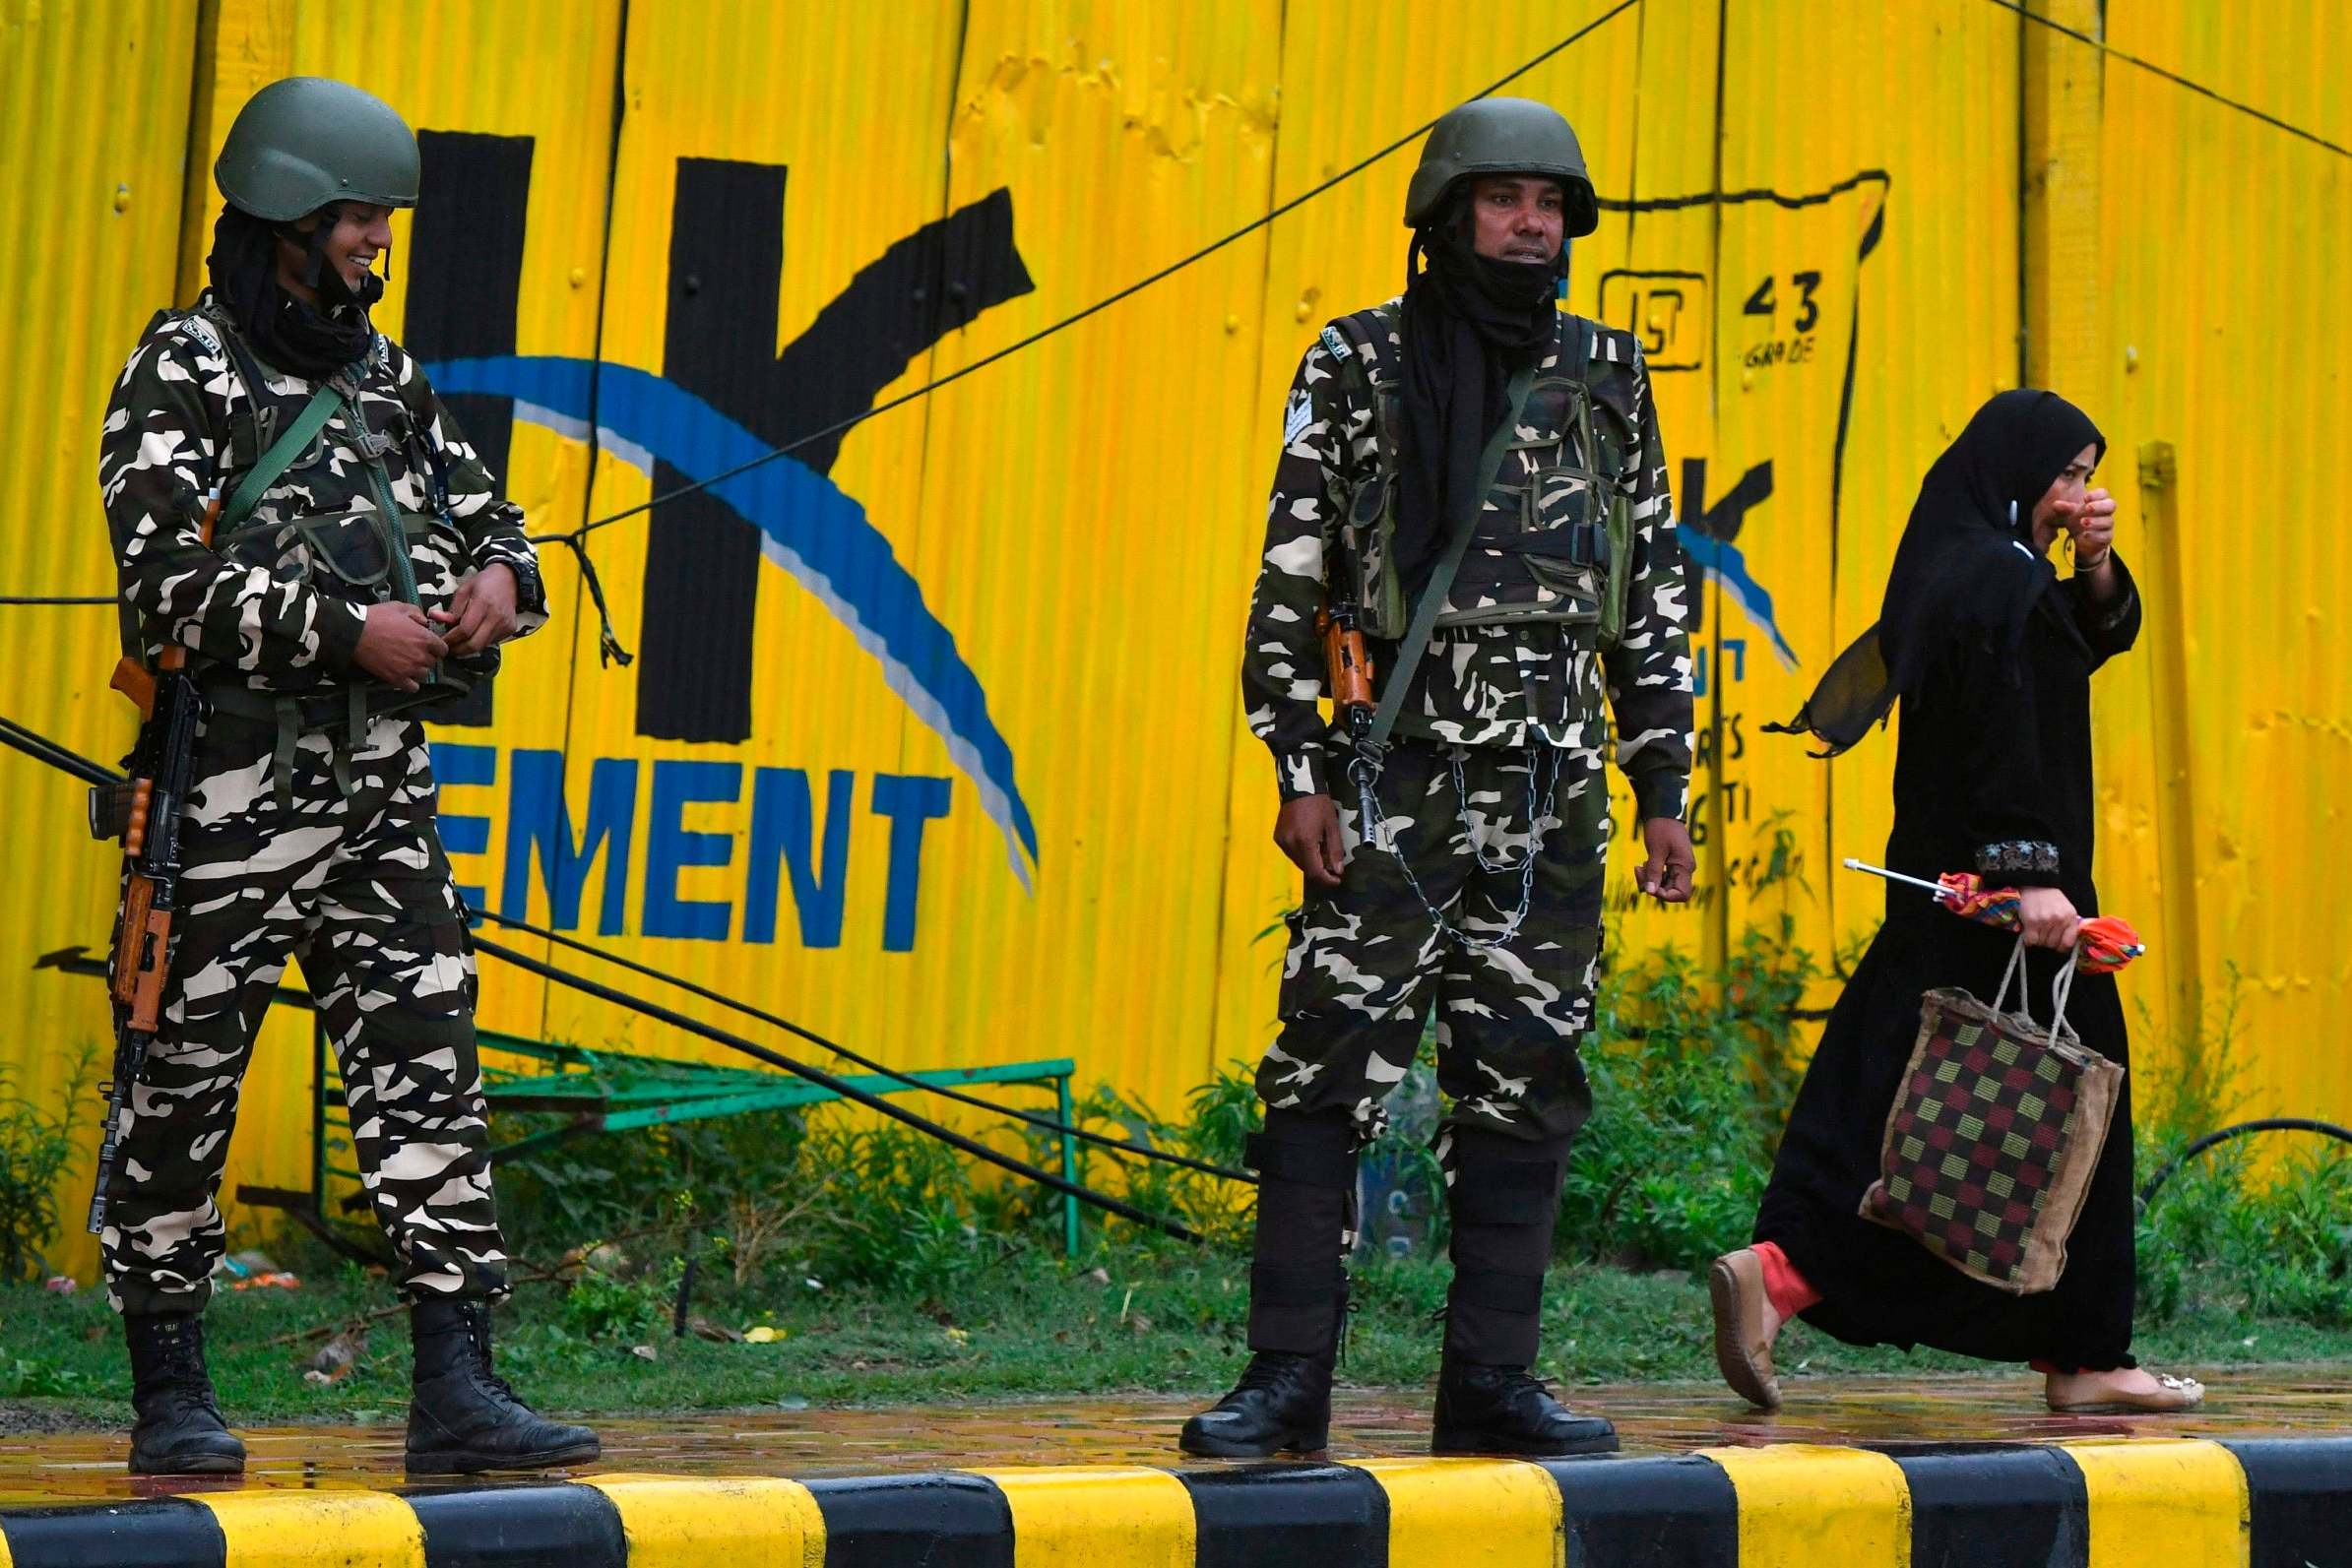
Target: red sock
x=1784, y=1287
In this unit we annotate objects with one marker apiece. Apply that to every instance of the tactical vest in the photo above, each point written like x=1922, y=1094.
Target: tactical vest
x=1555, y=543
x=351, y=556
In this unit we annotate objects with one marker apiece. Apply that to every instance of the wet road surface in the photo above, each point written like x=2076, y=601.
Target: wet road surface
x=1141, y=1429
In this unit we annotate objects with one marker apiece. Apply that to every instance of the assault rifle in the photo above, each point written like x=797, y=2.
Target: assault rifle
x=1348, y=675
x=145, y=814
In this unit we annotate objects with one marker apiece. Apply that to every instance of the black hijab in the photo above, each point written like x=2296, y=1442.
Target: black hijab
x=311, y=341
x=1470, y=321
x=1966, y=573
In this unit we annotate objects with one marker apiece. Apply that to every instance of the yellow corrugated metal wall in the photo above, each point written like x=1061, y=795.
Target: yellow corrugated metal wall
x=2197, y=257
x=85, y=257
x=1813, y=214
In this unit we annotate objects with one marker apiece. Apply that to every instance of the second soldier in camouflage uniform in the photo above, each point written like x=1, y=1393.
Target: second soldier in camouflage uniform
x=376, y=572
x=1476, y=890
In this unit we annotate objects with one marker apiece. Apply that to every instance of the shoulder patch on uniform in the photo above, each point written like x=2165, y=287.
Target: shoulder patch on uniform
x=1337, y=341
x=196, y=327
x=1296, y=416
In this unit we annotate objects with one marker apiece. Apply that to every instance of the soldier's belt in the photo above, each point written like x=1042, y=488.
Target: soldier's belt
x=325, y=709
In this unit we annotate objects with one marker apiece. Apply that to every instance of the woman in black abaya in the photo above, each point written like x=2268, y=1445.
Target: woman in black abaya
x=1991, y=653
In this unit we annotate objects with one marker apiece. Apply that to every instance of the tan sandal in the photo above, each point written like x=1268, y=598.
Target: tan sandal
x=2171, y=1394
x=1742, y=1350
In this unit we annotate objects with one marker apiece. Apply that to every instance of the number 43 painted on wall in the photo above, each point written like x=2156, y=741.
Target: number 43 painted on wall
x=1762, y=301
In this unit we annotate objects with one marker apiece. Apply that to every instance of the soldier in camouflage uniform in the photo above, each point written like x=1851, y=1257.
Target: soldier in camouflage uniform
x=1475, y=888
x=375, y=574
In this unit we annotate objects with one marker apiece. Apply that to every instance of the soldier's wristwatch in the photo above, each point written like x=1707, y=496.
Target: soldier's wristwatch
x=531, y=595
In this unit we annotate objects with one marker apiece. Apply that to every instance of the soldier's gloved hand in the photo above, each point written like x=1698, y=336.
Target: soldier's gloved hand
x=398, y=646
x=1671, y=864
x=481, y=612
x=1307, y=831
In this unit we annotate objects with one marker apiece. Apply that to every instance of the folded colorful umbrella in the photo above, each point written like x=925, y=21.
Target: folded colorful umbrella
x=2107, y=942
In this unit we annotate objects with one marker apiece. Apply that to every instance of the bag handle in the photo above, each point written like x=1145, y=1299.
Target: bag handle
x=2061, y=986
x=2014, y=975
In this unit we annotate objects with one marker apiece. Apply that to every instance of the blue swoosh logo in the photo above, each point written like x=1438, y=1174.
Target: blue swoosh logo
x=1724, y=563
x=808, y=526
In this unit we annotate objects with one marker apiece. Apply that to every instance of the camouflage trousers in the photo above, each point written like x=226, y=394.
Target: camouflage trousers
x=1367, y=962
x=357, y=886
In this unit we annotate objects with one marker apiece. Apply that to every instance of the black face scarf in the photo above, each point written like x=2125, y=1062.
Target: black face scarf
x=311, y=341
x=1967, y=572
x=1470, y=321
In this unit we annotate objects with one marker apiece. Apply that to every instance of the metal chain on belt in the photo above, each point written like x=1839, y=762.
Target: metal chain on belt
x=1377, y=832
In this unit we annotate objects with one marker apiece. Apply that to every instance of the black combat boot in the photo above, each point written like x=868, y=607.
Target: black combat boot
x=1297, y=1293
x=1503, y=1199
x=179, y=1430
x=462, y=1417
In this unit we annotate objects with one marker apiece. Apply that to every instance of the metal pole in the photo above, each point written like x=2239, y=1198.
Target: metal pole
x=318, y=1113
x=1069, y=1170
x=1936, y=888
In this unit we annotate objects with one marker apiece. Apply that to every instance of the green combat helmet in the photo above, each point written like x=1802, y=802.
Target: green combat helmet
x=1501, y=136
x=303, y=142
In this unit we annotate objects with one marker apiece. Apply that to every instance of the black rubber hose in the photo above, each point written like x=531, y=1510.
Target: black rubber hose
x=846, y=1091
x=1047, y=1124
x=40, y=748
x=45, y=750
x=2165, y=1171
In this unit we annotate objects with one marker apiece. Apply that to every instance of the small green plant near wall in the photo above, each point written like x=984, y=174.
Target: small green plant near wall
x=1692, y=1073
x=2242, y=1228
x=37, y=1146
x=1692, y=1066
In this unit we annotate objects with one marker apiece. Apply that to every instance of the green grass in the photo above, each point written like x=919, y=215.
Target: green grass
x=936, y=1286
x=1030, y=1326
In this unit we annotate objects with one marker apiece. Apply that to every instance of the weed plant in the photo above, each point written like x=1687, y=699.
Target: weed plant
x=872, y=1265
x=38, y=1144
x=1693, y=1070
x=2246, y=1227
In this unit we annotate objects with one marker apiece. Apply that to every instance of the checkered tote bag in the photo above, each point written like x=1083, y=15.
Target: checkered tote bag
x=1994, y=1134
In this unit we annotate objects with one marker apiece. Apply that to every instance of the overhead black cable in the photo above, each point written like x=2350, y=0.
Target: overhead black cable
x=839, y=1086
x=573, y=536
x=1109, y=300
x=58, y=599
x=1049, y=1123
x=2173, y=76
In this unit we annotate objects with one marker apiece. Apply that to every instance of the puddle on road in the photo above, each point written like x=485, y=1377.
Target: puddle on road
x=1142, y=1430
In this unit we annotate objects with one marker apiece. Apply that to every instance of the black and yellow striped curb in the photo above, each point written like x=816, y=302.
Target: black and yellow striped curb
x=2162, y=1503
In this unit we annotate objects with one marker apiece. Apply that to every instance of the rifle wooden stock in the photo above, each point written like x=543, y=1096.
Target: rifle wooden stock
x=138, y=909
x=1347, y=665
x=133, y=681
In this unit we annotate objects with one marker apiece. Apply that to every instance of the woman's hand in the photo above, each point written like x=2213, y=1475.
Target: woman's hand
x=2091, y=521
x=2047, y=919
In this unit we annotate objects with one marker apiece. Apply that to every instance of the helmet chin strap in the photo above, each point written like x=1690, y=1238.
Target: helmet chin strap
x=313, y=250
x=327, y=279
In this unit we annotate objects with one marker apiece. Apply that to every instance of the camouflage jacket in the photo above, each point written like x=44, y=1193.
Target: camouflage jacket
x=1522, y=684
x=272, y=606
